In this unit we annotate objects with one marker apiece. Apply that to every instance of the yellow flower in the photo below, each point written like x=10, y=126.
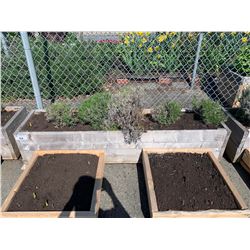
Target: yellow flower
x=172, y=33
x=157, y=48
x=222, y=35
x=150, y=49
x=158, y=56
x=126, y=39
x=173, y=46
x=147, y=33
x=132, y=40
x=139, y=33
x=144, y=40
x=140, y=45
x=161, y=38
x=244, y=39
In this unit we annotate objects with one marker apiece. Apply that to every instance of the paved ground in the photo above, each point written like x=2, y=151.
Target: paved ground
x=124, y=190
x=10, y=171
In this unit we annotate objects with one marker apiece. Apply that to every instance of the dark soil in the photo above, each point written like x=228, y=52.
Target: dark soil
x=6, y=116
x=61, y=182
x=38, y=122
x=189, y=182
x=186, y=121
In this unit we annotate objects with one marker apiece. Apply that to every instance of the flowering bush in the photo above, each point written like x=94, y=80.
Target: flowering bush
x=146, y=52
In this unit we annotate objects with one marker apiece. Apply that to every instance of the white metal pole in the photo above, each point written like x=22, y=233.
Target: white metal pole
x=32, y=70
x=197, y=57
x=4, y=44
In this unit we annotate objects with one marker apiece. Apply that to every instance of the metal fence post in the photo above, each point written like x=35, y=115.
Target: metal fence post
x=32, y=71
x=197, y=57
x=4, y=44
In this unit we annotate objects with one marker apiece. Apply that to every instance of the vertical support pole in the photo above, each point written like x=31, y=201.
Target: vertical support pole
x=197, y=57
x=4, y=44
x=32, y=71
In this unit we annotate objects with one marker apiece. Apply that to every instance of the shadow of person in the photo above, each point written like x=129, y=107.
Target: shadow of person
x=118, y=211
x=81, y=197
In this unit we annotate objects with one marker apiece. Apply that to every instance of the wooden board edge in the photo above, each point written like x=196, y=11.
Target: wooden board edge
x=228, y=181
x=245, y=160
x=96, y=197
x=204, y=214
x=149, y=183
x=176, y=150
x=70, y=151
x=48, y=214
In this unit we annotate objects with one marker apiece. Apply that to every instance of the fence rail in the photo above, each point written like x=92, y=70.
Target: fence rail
x=165, y=66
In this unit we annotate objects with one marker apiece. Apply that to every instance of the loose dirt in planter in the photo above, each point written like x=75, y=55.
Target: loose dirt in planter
x=61, y=182
x=6, y=116
x=38, y=122
x=186, y=121
x=189, y=182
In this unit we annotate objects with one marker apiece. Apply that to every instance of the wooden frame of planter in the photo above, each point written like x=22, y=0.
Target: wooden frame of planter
x=176, y=214
x=245, y=160
x=239, y=139
x=9, y=148
x=116, y=150
x=95, y=203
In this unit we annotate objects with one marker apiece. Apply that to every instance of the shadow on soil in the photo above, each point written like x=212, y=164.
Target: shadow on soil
x=81, y=197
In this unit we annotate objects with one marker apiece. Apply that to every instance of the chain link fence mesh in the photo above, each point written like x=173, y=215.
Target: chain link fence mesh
x=70, y=66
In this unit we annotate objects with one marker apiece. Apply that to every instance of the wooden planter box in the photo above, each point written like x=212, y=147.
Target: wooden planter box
x=238, y=140
x=9, y=149
x=176, y=214
x=230, y=86
x=245, y=160
x=112, y=142
x=95, y=203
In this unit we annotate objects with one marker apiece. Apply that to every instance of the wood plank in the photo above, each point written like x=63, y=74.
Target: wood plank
x=149, y=184
x=95, y=204
x=245, y=160
x=207, y=213
x=204, y=214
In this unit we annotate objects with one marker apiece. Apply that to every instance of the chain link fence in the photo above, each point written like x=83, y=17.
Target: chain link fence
x=164, y=66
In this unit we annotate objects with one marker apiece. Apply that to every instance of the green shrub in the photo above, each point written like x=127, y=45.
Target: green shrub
x=168, y=113
x=210, y=111
x=77, y=67
x=61, y=114
x=94, y=110
x=125, y=113
x=242, y=62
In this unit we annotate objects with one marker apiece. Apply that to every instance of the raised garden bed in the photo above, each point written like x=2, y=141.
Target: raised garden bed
x=61, y=183
x=245, y=160
x=35, y=133
x=11, y=118
x=189, y=183
x=239, y=138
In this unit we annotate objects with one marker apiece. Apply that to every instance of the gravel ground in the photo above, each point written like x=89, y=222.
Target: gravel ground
x=124, y=191
x=10, y=171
